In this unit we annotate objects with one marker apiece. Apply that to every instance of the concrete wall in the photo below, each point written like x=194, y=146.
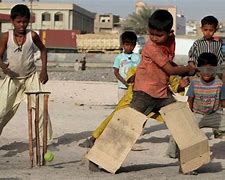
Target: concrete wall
x=94, y=60
x=183, y=45
x=90, y=58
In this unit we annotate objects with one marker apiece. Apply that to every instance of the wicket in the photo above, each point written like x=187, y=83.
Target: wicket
x=45, y=95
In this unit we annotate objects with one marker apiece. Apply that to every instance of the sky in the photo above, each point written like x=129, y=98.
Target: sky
x=191, y=9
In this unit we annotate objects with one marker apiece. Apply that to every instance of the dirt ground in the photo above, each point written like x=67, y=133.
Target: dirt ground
x=76, y=109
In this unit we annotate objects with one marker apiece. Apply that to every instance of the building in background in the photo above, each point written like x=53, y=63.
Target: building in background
x=181, y=25
x=63, y=16
x=107, y=23
x=191, y=27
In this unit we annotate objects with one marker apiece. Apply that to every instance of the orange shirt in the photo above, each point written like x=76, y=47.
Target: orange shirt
x=150, y=77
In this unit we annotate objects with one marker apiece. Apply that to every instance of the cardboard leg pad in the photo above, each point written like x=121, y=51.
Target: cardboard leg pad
x=192, y=142
x=116, y=141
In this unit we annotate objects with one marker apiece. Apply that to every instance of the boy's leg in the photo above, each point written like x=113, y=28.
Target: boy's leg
x=218, y=134
x=164, y=102
x=10, y=98
x=89, y=142
x=142, y=102
x=189, y=162
x=215, y=120
x=180, y=169
x=5, y=118
x=102, y=126
x=172, y=150
x=124, y=102
x=33, y=84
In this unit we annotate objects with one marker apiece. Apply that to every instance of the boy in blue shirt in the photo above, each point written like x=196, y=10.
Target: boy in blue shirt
x=125, y=60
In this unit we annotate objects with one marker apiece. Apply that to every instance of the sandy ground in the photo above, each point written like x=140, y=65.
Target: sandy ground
x=76, y=109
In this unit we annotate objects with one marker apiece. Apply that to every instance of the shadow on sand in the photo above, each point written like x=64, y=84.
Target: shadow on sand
x=209, y=168
x=140, y=167
x=19, y=147
x=218, y=150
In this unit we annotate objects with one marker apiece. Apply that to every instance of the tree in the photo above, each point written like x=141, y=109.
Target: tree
x=138, y=22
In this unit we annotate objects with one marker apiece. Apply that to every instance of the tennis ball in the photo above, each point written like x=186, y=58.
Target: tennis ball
x=49, y=156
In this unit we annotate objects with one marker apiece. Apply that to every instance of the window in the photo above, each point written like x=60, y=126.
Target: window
x=104, y=19
x=46, y=17
x=58, y=16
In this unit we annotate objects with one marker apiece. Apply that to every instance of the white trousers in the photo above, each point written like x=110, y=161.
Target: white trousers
x=12, y=93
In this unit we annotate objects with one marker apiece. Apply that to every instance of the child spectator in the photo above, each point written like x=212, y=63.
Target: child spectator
x=76, y=65
x=207, y=43
x=83, y=64
x=19, y=47
x=124, y=61
x=205, y=94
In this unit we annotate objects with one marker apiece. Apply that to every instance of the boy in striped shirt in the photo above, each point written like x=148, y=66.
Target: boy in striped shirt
x=207, y=43
x=206, y=94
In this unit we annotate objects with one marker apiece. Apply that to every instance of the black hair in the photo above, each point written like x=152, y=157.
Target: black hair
x=20, y=10
x=210, y=20
x=207, y=59
x=128, y=37
x=161, y=20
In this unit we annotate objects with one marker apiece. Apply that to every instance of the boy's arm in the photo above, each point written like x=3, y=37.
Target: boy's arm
x=179, y=70
x=178, y=85
x=192, y=55
x=119, y=77
x=222, y=103
x=3, y=45
x=43, y=77
x=191, y=63
x=222, y=95
x=220, y=57
x=131, y=74
x=191, y=95
x=190, y=102
x=221, y=60
x=183, y=83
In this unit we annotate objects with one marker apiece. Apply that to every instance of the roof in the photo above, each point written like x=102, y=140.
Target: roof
x=6, y=18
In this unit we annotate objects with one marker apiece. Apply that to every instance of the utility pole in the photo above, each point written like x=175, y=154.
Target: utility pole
x=31, y=10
